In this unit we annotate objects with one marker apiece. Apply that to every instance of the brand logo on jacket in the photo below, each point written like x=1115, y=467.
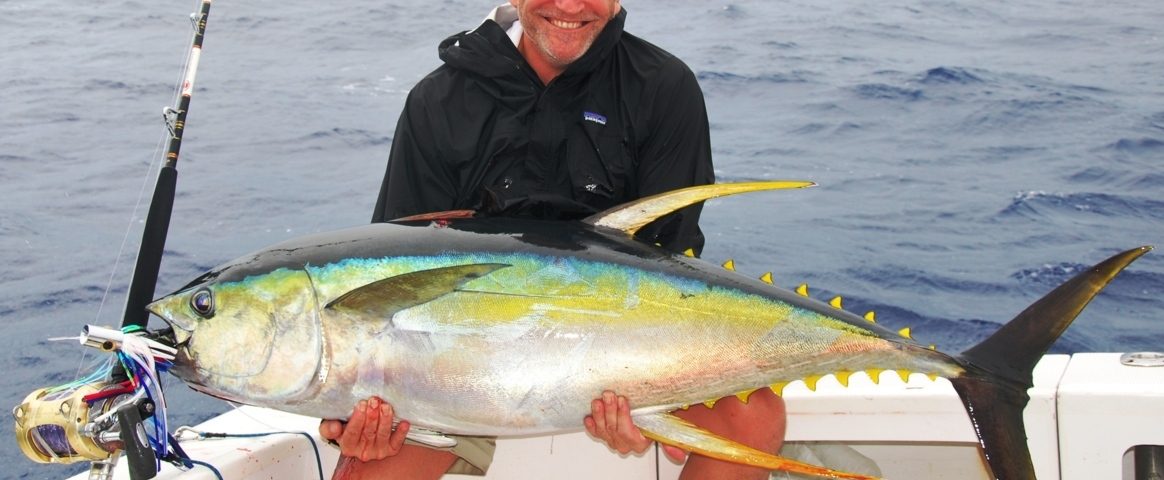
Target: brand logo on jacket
x=594, y=117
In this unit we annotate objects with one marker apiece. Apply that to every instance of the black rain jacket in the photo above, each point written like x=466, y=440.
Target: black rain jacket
x=481, y=132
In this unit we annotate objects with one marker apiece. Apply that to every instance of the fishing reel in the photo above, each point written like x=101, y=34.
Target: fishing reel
x=95, y=419
x=53, y=429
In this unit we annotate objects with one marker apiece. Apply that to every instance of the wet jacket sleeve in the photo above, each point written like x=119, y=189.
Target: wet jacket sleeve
x=676, y=154
x=417, y=180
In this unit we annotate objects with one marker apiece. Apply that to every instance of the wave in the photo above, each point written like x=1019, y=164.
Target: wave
x=1140, y=146
x=709, y=78
x=1049, y=275
x=1156, y=121
x=1098, y=175
x=1136, y=285
x=827, y=129
x=922, y=85
x=355, y=137
x=1113, y=177
x=904, y=278
x=733, y=11
x=954, y=335
x=1043, y=204
x=881, y=91
x=1147, y=181
x=949, y=76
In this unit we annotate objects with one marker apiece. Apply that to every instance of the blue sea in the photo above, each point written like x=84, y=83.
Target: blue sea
x=970, y=156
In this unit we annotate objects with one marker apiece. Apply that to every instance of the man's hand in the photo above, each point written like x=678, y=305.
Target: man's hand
x=610, y=421
x=368, y=434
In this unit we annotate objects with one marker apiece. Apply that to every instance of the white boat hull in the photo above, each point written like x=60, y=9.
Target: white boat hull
x=1086, y=413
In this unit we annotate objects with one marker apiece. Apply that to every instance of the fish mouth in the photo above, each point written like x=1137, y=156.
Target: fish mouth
x=175, y=335
x=165, y=337
x=177, y=339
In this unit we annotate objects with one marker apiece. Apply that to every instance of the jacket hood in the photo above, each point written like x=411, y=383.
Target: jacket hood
x=488, y=50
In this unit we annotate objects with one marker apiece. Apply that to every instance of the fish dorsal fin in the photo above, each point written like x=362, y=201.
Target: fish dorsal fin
x=631, y=216
x=445, y=215
x=382, y=298
x=672, y=430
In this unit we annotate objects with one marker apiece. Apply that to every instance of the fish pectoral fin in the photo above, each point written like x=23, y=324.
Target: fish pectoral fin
x=671, y=430
x=382, y=298
x=431, y=438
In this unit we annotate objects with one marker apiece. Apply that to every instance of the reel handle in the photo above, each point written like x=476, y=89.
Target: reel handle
x=138, y=452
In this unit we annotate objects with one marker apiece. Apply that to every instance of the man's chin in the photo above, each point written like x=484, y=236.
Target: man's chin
x=565, y=55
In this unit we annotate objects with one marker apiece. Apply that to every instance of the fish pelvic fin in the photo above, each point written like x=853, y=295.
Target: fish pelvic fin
x=631, y=216
x=431, y=438
x=671, y=430
x=382, y=298
x=998, y=370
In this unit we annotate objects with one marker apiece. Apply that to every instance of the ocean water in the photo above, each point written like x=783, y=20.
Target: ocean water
x=970, y=155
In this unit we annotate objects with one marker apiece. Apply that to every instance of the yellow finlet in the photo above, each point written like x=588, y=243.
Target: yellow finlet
x=836, y=302
x=766, y=278
x=905, y=333
x=871, y=317
x=810, y=382
x=933, y=347
x=685, y=407
x=730, y=265
x=932, y=376
x=904, y=374
x=843, y=377
x=743, y=396
x=710, y=403
x=802, y=290
x=690, y=252
x=778, y=388
x=874, y=374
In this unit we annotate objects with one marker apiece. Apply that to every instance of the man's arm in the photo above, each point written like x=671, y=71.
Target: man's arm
x=676, y=154
x=416, y=180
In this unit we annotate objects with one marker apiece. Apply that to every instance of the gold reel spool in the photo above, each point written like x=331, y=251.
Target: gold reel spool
x=51, y=429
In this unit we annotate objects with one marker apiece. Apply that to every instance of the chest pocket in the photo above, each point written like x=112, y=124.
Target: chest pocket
x=600, y=163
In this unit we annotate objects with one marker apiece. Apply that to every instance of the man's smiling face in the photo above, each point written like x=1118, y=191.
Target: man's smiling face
x=560, y=31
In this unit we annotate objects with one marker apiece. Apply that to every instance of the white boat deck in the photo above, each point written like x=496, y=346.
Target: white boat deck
x=1086, y=412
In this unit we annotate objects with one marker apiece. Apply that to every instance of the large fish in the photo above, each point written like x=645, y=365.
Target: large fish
x=511, y=327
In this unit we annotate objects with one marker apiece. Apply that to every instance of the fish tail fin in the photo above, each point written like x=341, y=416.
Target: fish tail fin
x=671, y=430
x=999, y=369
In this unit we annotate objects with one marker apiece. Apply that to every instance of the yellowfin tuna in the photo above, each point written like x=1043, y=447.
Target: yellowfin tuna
x=510, y=327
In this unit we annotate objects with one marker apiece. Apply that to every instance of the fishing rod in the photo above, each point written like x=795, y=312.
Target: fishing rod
x=98, y=417
x=157, y=224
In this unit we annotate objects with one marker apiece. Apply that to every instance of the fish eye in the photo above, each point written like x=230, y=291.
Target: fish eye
x=203, y=303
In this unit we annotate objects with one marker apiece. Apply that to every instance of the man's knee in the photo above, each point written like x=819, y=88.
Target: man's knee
x=413, y=462
x=758, y=423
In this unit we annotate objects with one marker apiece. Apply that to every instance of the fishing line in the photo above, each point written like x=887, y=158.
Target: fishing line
x=139, y=361
x=85, y=352
x=120, y=405
x=217, y=474
x=151, y=173
x=200, y=435
x=318, y=459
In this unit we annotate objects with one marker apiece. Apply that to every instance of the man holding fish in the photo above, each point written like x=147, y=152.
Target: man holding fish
x=550, y=110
